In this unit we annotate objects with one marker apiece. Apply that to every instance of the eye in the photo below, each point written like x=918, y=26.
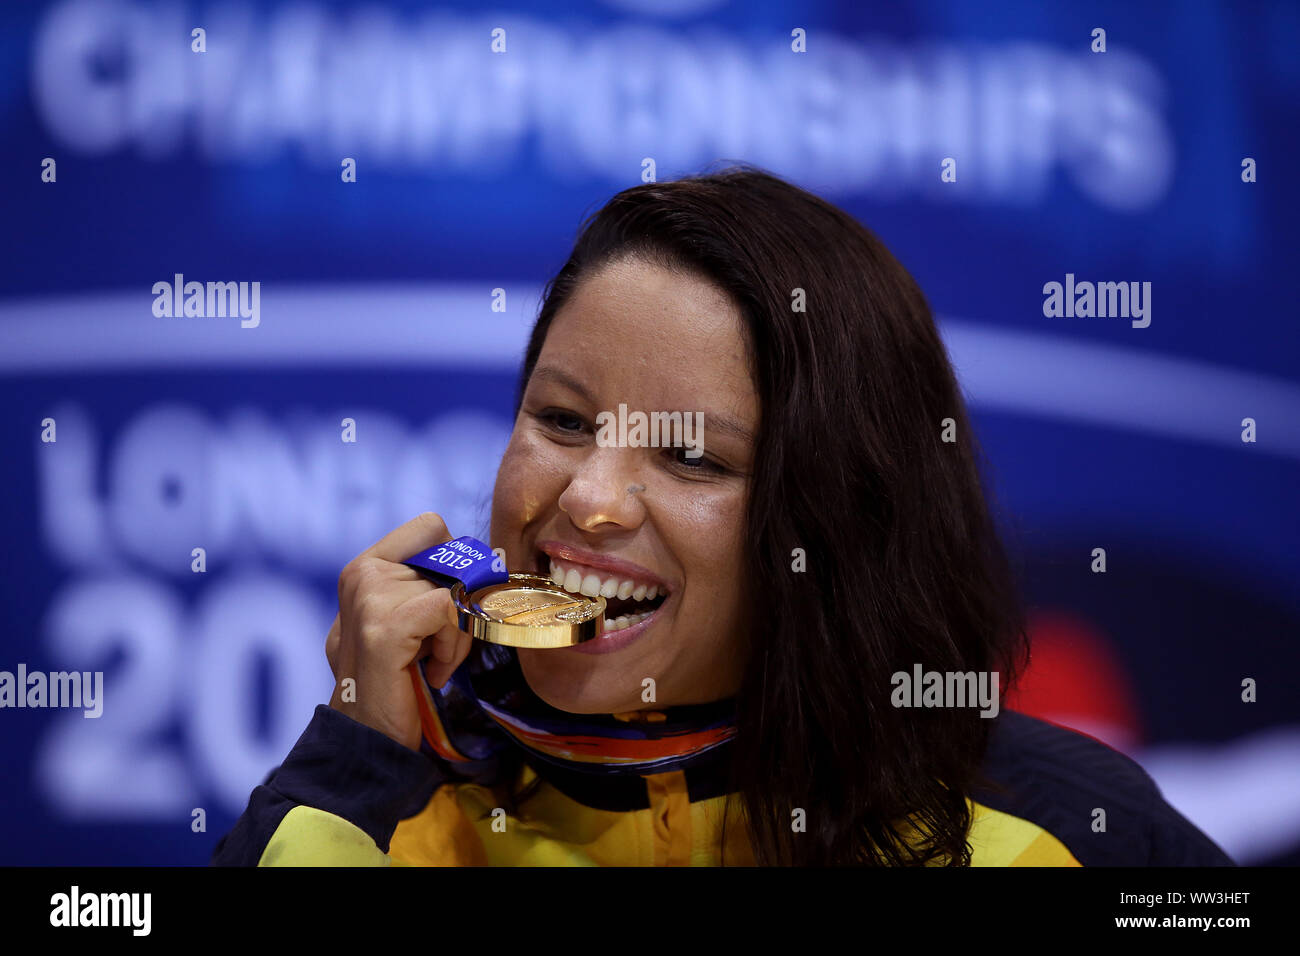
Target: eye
x=558, y=420
x=699, y=465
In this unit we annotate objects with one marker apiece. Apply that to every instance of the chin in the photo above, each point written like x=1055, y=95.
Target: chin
x=568, y=688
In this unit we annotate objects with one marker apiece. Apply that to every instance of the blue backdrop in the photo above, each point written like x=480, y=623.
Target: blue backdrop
x=130, y=156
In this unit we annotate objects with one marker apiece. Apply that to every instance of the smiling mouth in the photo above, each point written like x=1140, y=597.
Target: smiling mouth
x=627, y=600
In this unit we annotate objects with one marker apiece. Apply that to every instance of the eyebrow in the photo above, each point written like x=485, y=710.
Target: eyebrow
x=552, y=374
x=720, y=423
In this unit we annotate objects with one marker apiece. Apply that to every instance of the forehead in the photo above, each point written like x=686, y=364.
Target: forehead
x=639, y=333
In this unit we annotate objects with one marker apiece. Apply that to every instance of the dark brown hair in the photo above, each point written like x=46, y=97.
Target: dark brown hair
x=904, y=564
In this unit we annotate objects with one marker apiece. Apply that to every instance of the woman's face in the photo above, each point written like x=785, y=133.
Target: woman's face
x=630, y=517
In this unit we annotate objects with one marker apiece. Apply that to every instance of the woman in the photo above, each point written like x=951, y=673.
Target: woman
x=743, y=705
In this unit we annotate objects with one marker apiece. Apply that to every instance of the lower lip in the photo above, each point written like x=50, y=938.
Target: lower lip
x=617, y=640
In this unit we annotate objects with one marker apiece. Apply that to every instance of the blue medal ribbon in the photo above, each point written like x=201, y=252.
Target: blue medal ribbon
x=465, y=560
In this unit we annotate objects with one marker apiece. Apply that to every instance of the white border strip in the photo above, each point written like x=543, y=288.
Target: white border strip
x=1065, y=378
x=436, y=324
x=349, y=326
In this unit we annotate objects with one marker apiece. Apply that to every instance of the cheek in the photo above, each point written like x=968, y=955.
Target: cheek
x=709, y=539
x=710, y=536
x=532, y=476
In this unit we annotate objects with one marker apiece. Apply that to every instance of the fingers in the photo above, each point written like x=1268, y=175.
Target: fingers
x=448, y=645
x=332, y=640
x=439, y=672
x=391, y=621
x=423, y=609
x=431, y=617
x=422, y=531
x=389, y=615
x=445, y=646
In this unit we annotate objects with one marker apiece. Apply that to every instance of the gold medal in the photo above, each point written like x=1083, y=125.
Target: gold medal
x=528, y=611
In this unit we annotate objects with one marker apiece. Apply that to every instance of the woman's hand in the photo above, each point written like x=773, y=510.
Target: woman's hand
x=389, y=617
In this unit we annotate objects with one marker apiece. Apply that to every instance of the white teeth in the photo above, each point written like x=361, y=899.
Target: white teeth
x=625, y=620
x=592, y=585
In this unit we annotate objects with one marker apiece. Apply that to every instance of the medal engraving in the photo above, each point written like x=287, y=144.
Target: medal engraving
x=529, y=611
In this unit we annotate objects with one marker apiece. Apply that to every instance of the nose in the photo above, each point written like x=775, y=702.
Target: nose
x=600, y=494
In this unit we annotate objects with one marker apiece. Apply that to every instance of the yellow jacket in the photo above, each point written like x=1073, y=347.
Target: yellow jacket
x=350, y=796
